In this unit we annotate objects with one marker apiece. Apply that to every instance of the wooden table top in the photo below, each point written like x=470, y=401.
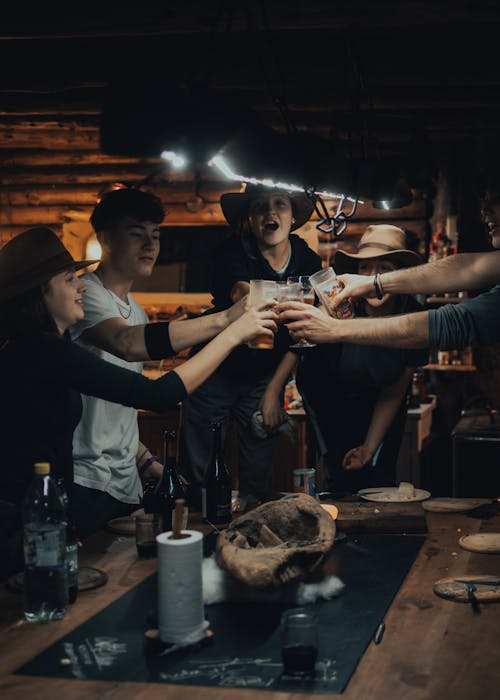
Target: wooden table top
x=432, y=649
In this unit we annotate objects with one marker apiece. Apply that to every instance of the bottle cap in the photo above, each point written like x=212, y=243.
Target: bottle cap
x=42, y=468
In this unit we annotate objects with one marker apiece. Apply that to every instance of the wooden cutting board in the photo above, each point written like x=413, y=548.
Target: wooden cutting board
x=451, y=589
x=451, y=505
x=367, y=516
x=124, y=525
x=486, y=542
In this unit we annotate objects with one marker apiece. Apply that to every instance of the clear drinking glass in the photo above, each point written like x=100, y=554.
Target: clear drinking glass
x=299, y=641
x=307, y=298
x=146, y=529
x=327, y=286
x=261, y=291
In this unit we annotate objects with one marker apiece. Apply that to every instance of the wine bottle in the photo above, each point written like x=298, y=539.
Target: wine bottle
x=169, y=487
x=216, y=488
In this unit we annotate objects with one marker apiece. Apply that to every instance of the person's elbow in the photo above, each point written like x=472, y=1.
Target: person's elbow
x=126, y=346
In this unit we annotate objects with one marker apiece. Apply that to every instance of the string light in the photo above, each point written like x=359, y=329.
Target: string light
x=220, y=163
x=177, y=160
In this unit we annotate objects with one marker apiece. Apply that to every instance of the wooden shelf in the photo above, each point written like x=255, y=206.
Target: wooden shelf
x=451, y=368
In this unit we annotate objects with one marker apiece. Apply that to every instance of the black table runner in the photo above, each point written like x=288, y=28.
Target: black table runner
x=245, y=650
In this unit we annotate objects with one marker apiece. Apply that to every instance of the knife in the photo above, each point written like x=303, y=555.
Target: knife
x=480, y=581
x=469, y=585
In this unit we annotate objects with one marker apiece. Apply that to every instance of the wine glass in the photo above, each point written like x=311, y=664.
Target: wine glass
x=307, y=297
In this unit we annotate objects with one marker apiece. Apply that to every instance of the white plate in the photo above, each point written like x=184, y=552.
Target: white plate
x=389, y=494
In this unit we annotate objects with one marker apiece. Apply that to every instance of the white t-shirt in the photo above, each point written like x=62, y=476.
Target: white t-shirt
x=106, y=439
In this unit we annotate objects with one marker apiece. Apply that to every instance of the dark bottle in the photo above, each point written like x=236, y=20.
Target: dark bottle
x=169, y=487
x=71, y=543
x=216, y=488
x=149, y=495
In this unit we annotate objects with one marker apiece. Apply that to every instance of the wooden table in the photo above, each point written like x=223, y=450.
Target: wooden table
x=432, y=648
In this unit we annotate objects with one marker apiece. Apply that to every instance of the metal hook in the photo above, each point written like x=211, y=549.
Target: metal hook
x=336, y=224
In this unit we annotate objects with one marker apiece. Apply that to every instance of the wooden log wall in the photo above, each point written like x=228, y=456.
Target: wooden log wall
x=52, y=170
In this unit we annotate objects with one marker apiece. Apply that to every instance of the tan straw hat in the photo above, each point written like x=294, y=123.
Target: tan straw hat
x=380, y=242
x=235, y=204
x=31, y=258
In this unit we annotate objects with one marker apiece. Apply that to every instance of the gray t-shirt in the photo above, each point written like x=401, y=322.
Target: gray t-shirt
x=471, y=322
x=106, y=439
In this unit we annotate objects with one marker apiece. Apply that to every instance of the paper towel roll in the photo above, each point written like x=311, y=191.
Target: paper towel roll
x=181, y=617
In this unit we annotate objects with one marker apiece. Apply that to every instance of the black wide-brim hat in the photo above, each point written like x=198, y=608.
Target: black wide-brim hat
x=235, y=205
x=32, y=258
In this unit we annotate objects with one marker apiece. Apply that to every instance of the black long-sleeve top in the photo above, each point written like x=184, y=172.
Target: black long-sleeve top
x=41, y=378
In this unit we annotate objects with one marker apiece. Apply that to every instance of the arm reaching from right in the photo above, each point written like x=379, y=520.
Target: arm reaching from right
x=460, y=272
x=313, y=324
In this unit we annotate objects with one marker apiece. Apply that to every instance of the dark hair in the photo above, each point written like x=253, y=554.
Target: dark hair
x=128, y=201
x=244, y=231
x=26, y=315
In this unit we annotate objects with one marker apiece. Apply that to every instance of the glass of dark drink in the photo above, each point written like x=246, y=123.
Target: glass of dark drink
x=299, y=642
x=146, y=529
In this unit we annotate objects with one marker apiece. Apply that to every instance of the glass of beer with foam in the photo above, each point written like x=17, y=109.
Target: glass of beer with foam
x=260, y=292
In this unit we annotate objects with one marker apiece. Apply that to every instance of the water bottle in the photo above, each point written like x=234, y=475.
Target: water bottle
x=45, y=572
x=71, y=544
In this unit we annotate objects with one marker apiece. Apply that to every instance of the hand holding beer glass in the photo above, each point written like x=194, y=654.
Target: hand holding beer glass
x=260, y=292
x=307, y=297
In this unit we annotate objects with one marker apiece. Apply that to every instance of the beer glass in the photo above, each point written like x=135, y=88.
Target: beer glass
x=261, y=291
x=299, y=642
x=307, y=298
x=327, y=286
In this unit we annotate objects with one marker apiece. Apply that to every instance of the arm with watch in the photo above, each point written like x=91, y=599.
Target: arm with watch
x=461, y=272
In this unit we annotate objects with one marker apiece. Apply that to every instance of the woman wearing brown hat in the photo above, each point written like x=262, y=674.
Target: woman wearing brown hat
x=357, y=393
x=262, y=247
x=42, y=373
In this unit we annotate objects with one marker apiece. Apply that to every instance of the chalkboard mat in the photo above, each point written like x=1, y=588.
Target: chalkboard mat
x=245, y=650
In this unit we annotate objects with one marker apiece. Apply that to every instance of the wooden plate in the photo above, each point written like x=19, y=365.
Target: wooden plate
x=389, y=494
x=451, y=589
x=88, y=578
x=124, y=525
x=487, y=542
x=450, y=505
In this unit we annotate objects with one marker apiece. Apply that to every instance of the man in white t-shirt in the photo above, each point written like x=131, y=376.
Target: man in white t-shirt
x=109, y=460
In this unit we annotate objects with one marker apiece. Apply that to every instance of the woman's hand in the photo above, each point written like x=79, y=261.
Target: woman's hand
x=257, y=320
x=238, y=309
x=308, y=322
x=357, y=458
x=354, y=286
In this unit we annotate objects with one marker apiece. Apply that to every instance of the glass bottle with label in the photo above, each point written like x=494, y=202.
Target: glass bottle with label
x=216, y=489
x=45, y=572
x=71, y=544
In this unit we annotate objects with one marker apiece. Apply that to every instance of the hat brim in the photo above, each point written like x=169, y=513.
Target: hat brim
x=24, y=285
x=235, y=206
x=348, y=262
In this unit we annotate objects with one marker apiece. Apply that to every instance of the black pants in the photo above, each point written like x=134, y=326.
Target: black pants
x=92, y=509
x=218, y=399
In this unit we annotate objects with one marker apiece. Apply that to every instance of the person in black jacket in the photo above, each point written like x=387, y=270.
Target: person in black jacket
x=262, y=247
x=42, y=373
x=357, y=394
